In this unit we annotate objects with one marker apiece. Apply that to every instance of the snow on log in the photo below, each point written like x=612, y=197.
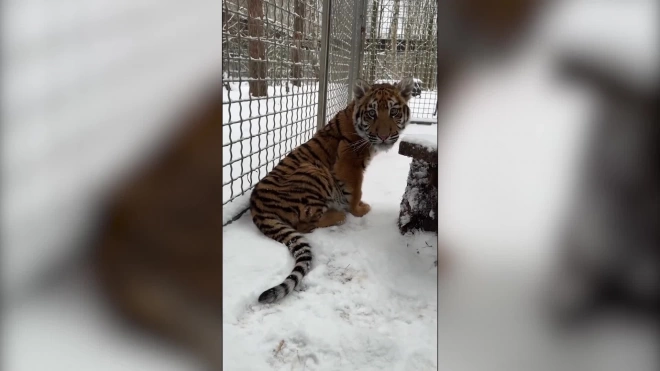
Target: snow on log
x=421, y=147
x=419, y=206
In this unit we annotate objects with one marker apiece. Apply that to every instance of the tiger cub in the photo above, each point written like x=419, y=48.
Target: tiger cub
x=318, y=182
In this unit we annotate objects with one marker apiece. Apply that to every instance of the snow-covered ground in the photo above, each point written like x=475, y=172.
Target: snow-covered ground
x=369, y=303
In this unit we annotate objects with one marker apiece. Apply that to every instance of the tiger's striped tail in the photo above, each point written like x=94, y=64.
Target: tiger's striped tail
x=299, y=249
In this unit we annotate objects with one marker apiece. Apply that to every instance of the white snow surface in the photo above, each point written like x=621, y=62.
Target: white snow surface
x=428, y=141
x=369, y=302
x=389, y=81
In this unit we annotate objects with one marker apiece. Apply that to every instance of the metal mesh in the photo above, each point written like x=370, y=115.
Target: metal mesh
x=400, y=41
x=271, y=74
x=339, y=56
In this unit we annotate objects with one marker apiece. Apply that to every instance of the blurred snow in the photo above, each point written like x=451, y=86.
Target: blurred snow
x=89, y=89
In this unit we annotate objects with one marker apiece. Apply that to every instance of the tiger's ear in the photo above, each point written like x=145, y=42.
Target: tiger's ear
x=405, y=87
x=360, y=89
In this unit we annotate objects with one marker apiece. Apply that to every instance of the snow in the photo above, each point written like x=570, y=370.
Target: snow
x=370, y=288
x=430, y=142
x=381, y=81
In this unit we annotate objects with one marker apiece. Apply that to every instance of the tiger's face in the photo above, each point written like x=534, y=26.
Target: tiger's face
x=381, y=111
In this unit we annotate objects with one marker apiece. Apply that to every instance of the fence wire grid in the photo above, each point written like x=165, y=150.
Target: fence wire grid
x=289, y=67
x=400, y=41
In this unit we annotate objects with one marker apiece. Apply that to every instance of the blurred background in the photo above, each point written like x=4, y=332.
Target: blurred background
x=548, y=188
x=90, y=89
x=547, y=132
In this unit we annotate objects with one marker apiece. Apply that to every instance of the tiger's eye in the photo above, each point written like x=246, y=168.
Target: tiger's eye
x=372, y=113
x=394, y=111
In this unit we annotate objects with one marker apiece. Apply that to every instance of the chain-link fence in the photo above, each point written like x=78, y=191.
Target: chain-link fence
x=401, y=40
x=271, y=77
x=289, y=66
x=341, y=56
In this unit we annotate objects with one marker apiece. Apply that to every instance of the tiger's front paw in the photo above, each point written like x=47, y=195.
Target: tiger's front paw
x=361, y=209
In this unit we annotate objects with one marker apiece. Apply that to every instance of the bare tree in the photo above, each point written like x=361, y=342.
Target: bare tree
x=298, y=29
x=257, y=48
x=430, y=39
x=375, y=32
x=394, y=29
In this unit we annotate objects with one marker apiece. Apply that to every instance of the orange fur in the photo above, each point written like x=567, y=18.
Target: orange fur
x=352, y=163
x=315, y=184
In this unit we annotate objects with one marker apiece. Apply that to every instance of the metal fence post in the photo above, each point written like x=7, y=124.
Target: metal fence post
x=325, y=48
x=356, y=46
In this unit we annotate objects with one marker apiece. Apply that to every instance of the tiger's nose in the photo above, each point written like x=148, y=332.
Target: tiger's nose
x=383, y=137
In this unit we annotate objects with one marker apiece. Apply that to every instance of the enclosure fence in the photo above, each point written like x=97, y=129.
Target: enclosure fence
x=289, y=67
x=401, y=40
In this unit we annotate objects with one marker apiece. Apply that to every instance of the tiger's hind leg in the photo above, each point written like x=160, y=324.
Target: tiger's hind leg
x=328, y=219
x=309, y=218
x=331, y=218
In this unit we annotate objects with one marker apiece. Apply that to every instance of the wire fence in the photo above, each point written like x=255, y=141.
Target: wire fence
x=288, y=67
x=400, y=41
x=271, y=78
x=340, y=57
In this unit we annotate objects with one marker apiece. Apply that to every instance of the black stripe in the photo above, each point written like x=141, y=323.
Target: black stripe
x=320, y=184
x=317, y=189
x=306, y=146
x=299, y=247
x=304, y=258
x=294, y=240
x=277, y=198
x=259, y=210
x=286, y=289
x=299, y=269
x=278, y=206
x=310, y=194
x=278, y=230
x=275, y=228
x=284, y=164
x=320, y=144
x=264, y=216
x=341, y=135
x=294, y=156
x=293, y=278
x=268, y=181
x=297, y=198
x=277, y=170
x=281, y=178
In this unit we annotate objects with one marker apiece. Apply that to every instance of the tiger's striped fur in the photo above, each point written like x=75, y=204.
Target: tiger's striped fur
x=315, y=185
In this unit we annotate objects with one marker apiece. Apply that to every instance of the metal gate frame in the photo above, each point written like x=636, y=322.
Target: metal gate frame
x=357, y=44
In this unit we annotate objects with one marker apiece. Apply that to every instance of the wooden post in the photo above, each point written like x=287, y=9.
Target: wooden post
x=257, y=49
